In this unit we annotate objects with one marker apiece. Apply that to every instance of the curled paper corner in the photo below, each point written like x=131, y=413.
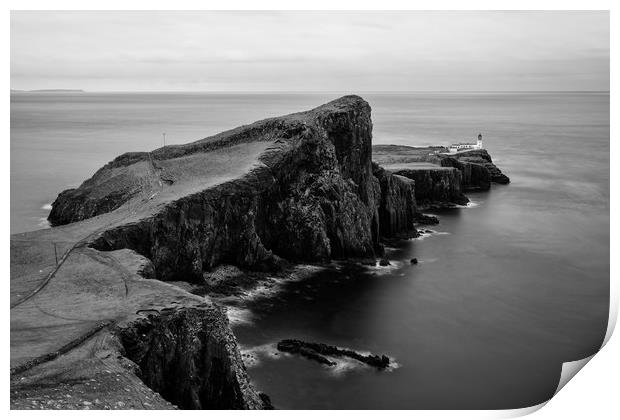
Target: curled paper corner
x=613, y=315
x=570, y=369
x=518, y=412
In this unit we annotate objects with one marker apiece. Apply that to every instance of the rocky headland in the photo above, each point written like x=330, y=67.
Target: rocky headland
x=97, y=318
x=441, y=178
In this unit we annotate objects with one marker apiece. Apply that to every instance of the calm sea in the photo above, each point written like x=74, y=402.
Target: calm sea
x=505, y=291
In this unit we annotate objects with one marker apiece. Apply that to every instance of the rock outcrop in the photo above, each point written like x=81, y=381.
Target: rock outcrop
x=190, y=357
x=475, y=177
x=482, y=157
x=318, y=351
x=476, y=166
x=397, y=204
x=109, y=338
x=441, y=178
x=436, y=187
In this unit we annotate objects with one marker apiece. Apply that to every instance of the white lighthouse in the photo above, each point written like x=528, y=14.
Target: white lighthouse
x=462, y=147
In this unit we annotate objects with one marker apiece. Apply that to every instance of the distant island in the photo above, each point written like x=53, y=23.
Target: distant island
x=48, y=91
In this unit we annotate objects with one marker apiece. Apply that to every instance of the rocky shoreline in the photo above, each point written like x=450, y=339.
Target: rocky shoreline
x=306, y=188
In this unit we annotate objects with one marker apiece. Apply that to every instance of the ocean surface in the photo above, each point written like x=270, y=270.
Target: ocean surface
x=506, y=289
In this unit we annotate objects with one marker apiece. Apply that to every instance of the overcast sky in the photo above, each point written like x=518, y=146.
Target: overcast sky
x=310, y=51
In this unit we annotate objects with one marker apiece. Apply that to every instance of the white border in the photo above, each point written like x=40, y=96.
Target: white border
x=593, y=394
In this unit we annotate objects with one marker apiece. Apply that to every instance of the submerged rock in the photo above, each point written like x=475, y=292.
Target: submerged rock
x=414, y=261
x=317, y=351
x=292, y=346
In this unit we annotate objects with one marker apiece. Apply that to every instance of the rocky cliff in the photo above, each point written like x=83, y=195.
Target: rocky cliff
x=97, y=334
x=482, y=158
x=476, y=166
x=397, y=205
x=310, y=196
x=190, y=357
x=435, y=187
x=441, y=179
x=474, y=176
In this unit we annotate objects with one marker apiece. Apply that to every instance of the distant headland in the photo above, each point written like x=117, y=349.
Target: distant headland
x=48, y=91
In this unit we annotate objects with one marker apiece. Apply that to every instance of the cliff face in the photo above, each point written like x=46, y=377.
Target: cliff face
x=98, y=316
x=397, y=204
x=482, y=157
x=310, y=196
x=474, y=175
x=436, y=187
x=106, y=190
x=190, y=357
x=436, y=184
x=476, y=166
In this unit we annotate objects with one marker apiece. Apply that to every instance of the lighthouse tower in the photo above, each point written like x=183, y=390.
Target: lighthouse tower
x=479, y=142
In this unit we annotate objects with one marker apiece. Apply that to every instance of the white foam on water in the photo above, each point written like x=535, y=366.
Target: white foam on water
x=274, y=284
x=43, y=222
x=421, y=237
x=346, y=364
x=47, y=206
x=386, y=269
x=469, y=205
x=239, y=316
x=262, y=290
x=393, y=366
x=426, y=235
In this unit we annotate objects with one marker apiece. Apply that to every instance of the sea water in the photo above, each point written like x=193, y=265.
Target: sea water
x=505, y=291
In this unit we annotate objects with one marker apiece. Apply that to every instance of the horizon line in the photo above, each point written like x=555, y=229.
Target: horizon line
x=69, y=90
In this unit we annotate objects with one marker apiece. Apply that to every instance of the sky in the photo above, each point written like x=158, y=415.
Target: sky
x=310, y=51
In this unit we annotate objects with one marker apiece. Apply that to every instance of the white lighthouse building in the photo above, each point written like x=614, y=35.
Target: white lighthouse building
x=462, y=147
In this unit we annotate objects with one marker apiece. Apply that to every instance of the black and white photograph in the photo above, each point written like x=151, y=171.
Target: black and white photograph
x=306, y=209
